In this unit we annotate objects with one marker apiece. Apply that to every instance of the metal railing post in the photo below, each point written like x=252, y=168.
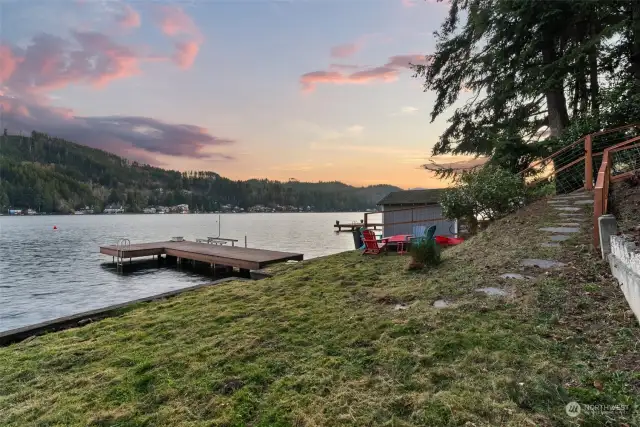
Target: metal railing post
x=588, y=163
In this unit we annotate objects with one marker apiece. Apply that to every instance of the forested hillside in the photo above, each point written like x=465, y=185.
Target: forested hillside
x=50, y=174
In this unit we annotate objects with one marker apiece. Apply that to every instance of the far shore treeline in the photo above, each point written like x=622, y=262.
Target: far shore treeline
x=52, y=175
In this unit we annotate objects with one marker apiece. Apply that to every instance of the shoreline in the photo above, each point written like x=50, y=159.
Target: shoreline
x=15, y=335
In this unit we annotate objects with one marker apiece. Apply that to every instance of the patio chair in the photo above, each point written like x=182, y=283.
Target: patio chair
x=419, y=230
x=371, y=244
x=427, y=235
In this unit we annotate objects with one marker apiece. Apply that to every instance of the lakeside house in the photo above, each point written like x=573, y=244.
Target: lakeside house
x=183, y=208
x=114, y=209
x=402, y=210
x=15, y=211
x=86, y=211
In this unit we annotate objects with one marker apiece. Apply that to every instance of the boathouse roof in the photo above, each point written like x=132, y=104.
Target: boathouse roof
x=412, y=197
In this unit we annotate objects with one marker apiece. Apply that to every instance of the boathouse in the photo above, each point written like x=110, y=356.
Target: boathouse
x=402, y=210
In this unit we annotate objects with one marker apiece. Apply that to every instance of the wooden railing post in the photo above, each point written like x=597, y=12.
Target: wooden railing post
x=588, y=163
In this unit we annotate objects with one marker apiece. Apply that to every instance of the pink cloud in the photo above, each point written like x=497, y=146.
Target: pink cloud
x=50, y=62
x=185, y=53
x=345, y=50
x=344, y=67
x=8, y=62
x=110, y=60
x=129, y=17
x=386, y=73
x=174, y=22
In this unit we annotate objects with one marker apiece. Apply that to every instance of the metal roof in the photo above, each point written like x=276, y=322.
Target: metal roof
x=412, y=197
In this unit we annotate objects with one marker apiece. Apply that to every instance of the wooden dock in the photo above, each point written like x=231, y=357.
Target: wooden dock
x=231, y=256
x=350, y=226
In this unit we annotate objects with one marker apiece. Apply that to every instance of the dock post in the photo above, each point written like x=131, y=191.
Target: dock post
x=245, y=240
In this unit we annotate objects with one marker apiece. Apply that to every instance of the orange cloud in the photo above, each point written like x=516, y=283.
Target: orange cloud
x=386, y=73
x=345, y=50
x=129, y=17
x=458, y=163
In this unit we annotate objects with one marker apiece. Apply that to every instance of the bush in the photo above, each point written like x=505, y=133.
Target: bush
x=486, y=193
x=424, y=253
x=540, y=190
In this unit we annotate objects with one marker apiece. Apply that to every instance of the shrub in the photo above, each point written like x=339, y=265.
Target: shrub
x=424, y=253
x=540, y=190
x=489, y=193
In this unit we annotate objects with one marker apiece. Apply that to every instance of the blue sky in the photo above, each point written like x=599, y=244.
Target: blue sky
x=252, y=91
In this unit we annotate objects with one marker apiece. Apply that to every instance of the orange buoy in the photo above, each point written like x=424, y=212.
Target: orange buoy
x=55, y=228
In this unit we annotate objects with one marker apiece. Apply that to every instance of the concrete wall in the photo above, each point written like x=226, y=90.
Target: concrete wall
x=423, y=215
x=624, y=261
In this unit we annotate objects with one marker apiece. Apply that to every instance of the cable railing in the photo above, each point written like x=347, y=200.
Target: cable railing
x=619, y=162
x=572, y=167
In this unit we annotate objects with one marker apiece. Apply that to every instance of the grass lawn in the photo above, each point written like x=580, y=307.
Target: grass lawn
x=324, y=344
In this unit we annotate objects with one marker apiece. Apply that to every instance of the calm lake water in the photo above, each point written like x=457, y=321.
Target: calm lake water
x=47, y=273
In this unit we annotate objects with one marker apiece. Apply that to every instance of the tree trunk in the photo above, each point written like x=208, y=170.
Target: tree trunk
x=635, y=47
x=582, y=93
x=594, y=86
x=554, y=93
x=558, y=115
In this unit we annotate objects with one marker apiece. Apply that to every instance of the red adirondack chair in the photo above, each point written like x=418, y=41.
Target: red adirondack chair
x=371, y=244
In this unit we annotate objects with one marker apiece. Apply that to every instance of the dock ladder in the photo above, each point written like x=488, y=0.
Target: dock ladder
x=122, y=246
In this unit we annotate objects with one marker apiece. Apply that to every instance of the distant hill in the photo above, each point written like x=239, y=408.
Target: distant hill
x=50, y=174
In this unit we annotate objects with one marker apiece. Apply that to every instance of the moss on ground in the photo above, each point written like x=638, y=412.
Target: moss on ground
x=322, y=344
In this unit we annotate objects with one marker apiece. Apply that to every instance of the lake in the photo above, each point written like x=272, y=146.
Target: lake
x=47, y=273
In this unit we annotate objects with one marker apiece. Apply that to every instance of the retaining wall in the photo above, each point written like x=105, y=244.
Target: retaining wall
x=624, y=261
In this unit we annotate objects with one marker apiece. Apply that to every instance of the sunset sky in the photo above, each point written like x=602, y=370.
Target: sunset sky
x=305, y=89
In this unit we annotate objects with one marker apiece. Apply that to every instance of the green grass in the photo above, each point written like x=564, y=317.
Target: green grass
x=321, y=344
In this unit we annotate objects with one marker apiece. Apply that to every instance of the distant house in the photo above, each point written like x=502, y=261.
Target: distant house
x=15, y=211
x=402, y=210
x=114, y=209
